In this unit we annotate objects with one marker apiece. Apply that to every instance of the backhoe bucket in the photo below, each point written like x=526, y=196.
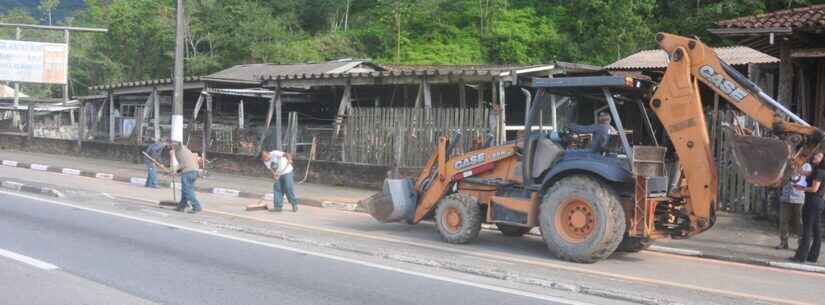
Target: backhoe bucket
x=396, y=203
x=761, y=161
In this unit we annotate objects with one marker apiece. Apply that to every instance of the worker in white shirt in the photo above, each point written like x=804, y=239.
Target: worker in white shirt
x=280, y=165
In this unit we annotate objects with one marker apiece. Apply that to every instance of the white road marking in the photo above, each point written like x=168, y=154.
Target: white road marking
x=10, y=163
x=511, y=291
x=27, y=260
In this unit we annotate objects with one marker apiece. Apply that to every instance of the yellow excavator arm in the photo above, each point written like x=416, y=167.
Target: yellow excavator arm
x=678, y=105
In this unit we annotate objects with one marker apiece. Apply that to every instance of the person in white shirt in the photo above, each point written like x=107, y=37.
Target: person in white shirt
x=280, y=165
x=790, y=209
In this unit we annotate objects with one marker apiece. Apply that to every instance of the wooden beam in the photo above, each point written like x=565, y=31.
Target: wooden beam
x=808, y=53
x=786, y=75
x=751, y=31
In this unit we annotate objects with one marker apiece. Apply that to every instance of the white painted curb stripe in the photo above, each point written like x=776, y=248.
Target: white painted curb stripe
x=801, y=267
x=10, y=163
x=227, y=192
x=39, y=167
x=70, y=171
x=687, y=252
x=104, y=176
x=506, y=290
x=137, y=180
x=27, y=260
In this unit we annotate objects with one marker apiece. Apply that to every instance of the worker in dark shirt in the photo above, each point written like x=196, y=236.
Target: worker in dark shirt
x=811, y=241
x=601, y=132
x=154, y=151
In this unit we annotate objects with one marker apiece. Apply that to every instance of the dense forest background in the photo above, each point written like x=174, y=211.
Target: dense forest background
x=221, y=33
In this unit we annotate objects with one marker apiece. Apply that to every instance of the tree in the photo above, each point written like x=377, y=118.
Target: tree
x=48, y=6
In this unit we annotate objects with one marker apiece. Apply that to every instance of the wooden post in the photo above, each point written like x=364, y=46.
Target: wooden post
x=278, y=123
x=81, y=128
x=66, y=85
x=207, y=128
x=271, y=109
x=398, y=153
x=502, y=129
x=30, y=121
x=111, y=117
x=343, y=106
x=462, y=103
x=293, y=132
x=786, y=73
x=240, y=115
x=156, y=115
x=139, y=126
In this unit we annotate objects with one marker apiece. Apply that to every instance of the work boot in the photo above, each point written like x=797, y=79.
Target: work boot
x=180, y=209
x=294, y=208
x=782, y=246
x=194, y=211
x=276, y=209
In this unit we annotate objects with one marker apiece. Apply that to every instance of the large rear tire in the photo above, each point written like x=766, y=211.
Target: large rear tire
x=511, y=230
x=581, y=219
x=458, y=218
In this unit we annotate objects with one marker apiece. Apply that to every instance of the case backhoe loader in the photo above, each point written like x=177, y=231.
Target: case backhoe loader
x=589, y=203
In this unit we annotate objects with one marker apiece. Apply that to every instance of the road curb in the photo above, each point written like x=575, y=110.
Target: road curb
x=22, y=187
x=736, y=259
x=139, y=181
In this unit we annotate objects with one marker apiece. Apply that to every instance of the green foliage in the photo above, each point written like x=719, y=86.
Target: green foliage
x=222, y=33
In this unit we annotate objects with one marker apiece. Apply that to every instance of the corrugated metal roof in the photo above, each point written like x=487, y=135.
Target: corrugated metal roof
x=141, y=83
x=657, y=59
x=809, y=16
x=253, y=73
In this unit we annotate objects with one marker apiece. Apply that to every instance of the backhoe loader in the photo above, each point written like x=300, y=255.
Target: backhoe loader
x=648, y=184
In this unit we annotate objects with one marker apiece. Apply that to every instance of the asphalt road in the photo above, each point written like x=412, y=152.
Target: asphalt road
x=127, y=261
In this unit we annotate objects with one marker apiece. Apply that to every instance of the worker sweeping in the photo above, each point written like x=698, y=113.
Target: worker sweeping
x=153, y=152
x=183, y=161
x=279, y=164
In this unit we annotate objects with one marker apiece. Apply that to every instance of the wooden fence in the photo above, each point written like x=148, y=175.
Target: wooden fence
x=370, y=135
x=735, y=194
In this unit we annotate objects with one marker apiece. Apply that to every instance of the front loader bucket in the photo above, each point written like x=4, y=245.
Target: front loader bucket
x=396, y=203
x=761, y=161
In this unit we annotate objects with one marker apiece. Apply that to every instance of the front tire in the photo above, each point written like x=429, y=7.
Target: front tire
x=458, y=218
x=581, y=219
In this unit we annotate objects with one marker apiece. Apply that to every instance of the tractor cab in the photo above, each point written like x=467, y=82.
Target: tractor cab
x=596, y=120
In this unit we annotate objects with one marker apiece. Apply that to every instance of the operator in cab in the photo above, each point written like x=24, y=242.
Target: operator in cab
x=601, y=132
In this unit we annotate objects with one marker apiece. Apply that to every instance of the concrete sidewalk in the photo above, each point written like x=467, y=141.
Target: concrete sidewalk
x=736, y=238
x=217, y=183
x=740, y=238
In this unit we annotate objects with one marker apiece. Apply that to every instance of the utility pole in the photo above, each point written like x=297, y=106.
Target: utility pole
x=177, y=102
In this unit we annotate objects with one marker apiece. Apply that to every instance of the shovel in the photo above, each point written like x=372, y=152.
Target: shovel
x=167, y=203
x=761, y=161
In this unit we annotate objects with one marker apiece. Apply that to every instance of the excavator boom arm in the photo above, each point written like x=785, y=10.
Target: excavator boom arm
x=677, y=103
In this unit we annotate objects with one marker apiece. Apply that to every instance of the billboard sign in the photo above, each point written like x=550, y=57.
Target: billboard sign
x=33, y=62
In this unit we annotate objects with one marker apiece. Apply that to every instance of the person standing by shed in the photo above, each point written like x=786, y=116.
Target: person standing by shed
x=153, y=151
